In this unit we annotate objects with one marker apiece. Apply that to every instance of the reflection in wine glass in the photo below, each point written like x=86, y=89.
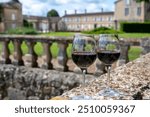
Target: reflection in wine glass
x=83, y=55
x=108, y=51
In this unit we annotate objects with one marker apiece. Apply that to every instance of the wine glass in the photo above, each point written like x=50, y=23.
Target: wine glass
x=83, y=55
x=108, y=51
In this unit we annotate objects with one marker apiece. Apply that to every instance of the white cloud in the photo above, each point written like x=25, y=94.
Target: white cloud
x=62, y=1
x=5, y=0
x=41, y=7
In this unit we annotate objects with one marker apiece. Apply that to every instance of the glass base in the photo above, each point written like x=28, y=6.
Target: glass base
x=109, y=92
x=81, y=97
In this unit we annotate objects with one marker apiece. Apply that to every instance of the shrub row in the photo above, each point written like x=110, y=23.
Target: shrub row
x=101, y=30
x=135, y=27
x=22, y=30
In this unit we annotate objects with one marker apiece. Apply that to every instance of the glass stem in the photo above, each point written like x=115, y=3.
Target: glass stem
x=84, y=72
x=83, y=84
x=108, y=76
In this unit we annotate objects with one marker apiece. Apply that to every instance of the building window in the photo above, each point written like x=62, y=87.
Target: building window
x=104, y=19
x=69, y=19
x=107, y=18
x=110, y=18
x=94, y=19
x=127, y=2
x=13, y=17
x=78, y=19
x=65, y=19
x=69, y=27
x=126, y=11
x=138, y=11
x=13, y=26
x=85, y=19
x=75, y=19
x=100, y=19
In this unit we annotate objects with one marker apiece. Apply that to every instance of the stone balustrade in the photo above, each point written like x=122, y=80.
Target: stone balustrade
x=47, y=41
x=32, y=56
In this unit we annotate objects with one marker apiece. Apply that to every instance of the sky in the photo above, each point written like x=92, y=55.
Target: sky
x=41, y=7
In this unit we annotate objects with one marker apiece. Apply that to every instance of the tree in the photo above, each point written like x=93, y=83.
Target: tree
x=27, y=24
x=0, y=18
x=0, y=13
x=52, y=13
x=143, y=0
x=16, y=1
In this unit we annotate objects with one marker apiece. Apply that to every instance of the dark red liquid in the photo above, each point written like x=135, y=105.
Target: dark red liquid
x=108, y=57
x=83, y=59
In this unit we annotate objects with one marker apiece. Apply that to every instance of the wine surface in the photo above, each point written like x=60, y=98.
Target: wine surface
x=83, y=59
x=108, y=57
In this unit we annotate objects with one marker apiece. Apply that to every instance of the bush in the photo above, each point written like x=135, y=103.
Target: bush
x=101, y=30
x=0, y=17
x=135, y=27
x=25, y=30
x=27, y=24
x=0, y=13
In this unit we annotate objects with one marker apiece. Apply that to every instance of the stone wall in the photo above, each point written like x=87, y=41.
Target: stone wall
x=132, y=80
x=17, y=83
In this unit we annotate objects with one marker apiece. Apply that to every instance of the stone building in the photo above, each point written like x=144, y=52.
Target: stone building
x=10, y=15
x=43, y=24
x=39, y=23
x=125, y=10
x=88, y=21
x=131, y=11
x=54, y=23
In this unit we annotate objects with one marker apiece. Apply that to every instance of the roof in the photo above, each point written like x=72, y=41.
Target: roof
x=54, y=19
x=35, y=17
x=11, y=4
x=51, y=19
x=117, y=1
x=89, y=14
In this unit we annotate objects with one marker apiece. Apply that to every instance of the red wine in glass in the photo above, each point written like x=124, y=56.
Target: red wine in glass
x=83, y=55
x=108, y=51
x=83, y=59
x=108, y=57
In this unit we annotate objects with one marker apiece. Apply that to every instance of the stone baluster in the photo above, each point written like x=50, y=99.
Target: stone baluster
x=47, y=57
x=17, y=53
x=99, y=68
x=145, y=44
x=5, y=52
x=123, y=59
x=62, y=56
x=31, y=57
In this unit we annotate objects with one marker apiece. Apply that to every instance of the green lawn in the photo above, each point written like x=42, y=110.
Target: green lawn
x=124, y=35
x=134, y=53
x=65, y=34
x=134, y=35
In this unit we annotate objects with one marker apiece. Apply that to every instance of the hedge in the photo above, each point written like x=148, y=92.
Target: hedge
x=135, y=27
x=22, y=30
x=101, y=30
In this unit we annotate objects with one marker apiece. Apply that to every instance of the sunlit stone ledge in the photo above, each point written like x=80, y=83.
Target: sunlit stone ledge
x=132, y=79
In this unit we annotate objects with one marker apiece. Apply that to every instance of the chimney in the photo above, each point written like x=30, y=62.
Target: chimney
x=65, y=12
x=85, y=11
x=75, y=11
x=102, y=10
